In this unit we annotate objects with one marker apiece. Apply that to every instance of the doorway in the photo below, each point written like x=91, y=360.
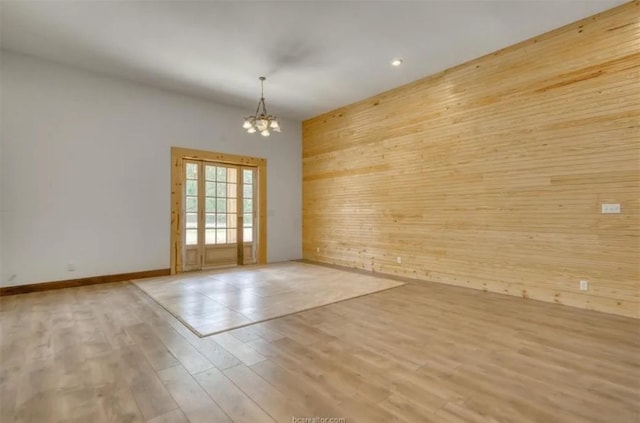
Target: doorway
x=218, y=210
x=218, y=215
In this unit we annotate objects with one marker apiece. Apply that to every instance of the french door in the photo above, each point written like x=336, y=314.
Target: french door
x=218, y=215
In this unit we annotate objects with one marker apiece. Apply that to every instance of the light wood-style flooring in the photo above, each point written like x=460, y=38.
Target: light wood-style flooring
x=215, y=301
x=421, y=352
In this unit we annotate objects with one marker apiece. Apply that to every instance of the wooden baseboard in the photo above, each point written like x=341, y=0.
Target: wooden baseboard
x=361, y=271
x=92, y=280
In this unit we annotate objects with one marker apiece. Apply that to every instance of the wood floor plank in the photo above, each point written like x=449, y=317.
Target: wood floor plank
x=214, y=301
x=245, y=334
x=235, y=403
x=341, y=376
x=276, y=404
x=211, y=414
x=119, y=404
x=182, y=350
x=175, y=416
x=238, y=349
x=218, y=356
x=307, y=396
x=417, y=353
x=407, y=410
x=152, y=397
x=184, y=389
x=156, y=352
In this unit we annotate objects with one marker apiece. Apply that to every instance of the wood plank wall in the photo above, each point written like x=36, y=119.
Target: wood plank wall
x=491, y=175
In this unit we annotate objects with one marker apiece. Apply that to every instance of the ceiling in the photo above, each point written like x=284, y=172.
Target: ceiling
x=316, y=55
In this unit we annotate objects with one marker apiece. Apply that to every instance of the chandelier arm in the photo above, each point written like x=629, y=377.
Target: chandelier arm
x=255, y=116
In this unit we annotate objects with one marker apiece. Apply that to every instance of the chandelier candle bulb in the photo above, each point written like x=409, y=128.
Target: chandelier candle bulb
x=261, y=121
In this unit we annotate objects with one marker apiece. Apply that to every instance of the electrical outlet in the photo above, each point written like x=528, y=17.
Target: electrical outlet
x=399, y=260
x=584, y=285
x=611, y=208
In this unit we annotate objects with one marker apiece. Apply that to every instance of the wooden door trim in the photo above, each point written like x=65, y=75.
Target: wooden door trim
x=177, y=182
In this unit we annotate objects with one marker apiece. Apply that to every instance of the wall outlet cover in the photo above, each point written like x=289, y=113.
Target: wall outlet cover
x=611, y=208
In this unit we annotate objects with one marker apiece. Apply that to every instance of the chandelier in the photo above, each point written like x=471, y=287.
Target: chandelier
x=261, y=121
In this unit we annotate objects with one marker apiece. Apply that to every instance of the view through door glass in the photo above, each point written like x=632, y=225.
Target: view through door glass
x=249, y=187
x=191, y=247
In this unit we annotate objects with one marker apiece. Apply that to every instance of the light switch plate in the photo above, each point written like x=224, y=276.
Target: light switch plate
x=611, y=208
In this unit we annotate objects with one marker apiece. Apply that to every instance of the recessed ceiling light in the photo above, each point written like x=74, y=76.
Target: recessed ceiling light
x=396, y=62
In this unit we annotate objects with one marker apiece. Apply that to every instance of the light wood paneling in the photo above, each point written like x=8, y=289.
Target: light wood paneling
x=490, y=175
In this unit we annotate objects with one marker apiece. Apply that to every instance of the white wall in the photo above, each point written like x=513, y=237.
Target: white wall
x=85, y=171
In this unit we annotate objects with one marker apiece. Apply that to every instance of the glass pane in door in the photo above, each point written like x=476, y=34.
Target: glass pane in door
x=220, y=204
x=191, y=204
x=210, y=204
x=247, y=205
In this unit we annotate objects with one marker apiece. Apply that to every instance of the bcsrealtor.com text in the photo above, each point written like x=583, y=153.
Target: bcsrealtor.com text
x=318, y=419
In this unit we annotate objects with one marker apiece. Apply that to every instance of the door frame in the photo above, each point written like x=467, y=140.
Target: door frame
x=178, y=154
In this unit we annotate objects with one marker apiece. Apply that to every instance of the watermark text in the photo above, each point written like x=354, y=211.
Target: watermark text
x=318, y=419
